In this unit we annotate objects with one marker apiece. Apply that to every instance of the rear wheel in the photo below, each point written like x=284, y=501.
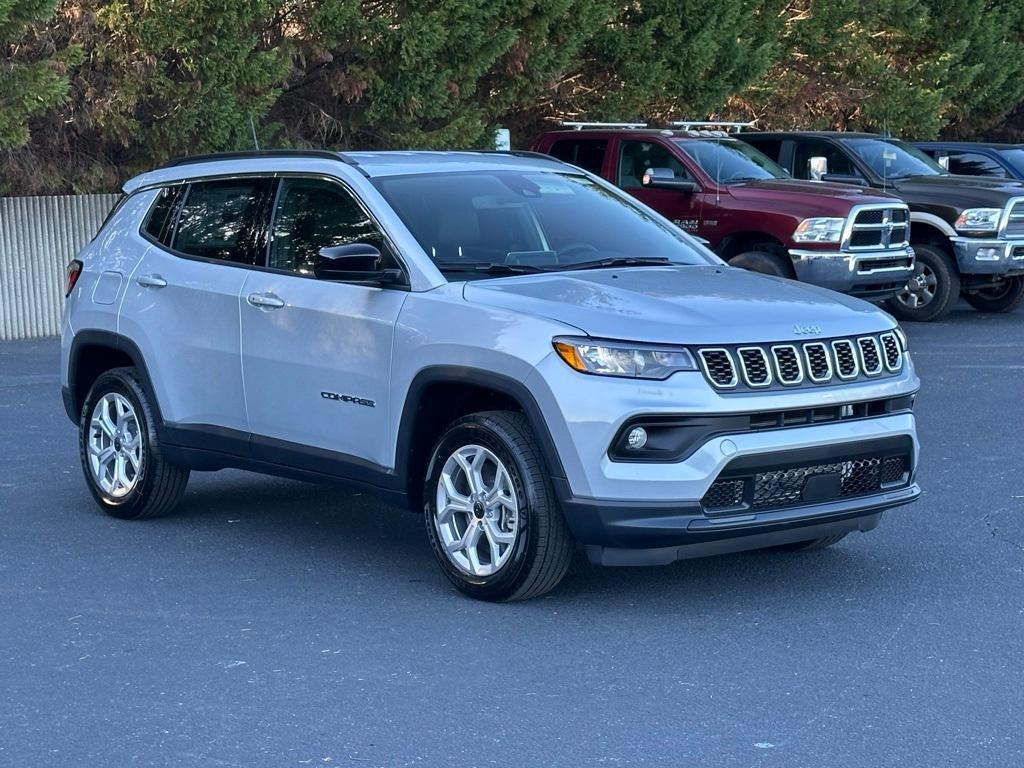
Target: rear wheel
x=932, y=290
x=490, y=512
x=120, y=451
x=811, y=544
x=765, y=262
x=1005, y=297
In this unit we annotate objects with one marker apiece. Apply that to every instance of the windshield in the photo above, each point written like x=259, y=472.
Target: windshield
x=1014, y=157
x=892, y=159
x=508, y=220
x=730, y=161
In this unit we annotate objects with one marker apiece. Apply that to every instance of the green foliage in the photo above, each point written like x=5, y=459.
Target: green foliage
x=104, y=88
x=27, y=88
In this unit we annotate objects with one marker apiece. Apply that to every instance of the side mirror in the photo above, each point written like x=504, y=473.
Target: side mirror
x=354, y=263
x=665, y=178
x=943, y=161
x=817, y=168
x=839, y=178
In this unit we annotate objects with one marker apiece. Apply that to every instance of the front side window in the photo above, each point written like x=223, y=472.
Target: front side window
x=588, y=154
x=1014, y=157
x=635, y=157
x=728, y=161
x=311, y=214
x=892, y=159
x=528, y=219
x=220, y=220
x=974, y=164
x=839, y=163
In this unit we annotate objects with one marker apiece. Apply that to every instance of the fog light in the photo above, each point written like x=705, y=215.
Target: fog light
x=637, y=438
x=988, y=254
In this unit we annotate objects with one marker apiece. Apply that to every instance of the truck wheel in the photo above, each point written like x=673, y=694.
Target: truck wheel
x=124, y=468
x=491, y=515
x=811, y=544
x=1005, y=297
x=932, y=290
x=765, y=262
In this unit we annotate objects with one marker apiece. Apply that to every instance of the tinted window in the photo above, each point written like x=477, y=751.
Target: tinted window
x=586, y=153
x=770, y=147
x=635, y=157
x=1014, y=157
x=161, y=216
x=730, y=161
x=220, y=220
x=540, y=219
x=312, y=214
x=839, y=162
x=973, y=164
x=892, y=159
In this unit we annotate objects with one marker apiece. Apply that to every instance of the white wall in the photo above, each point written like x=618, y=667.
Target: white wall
x=38, y=237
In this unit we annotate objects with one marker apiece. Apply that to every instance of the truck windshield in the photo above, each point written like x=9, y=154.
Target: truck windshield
x=892, y=159
x=729, y=161
x=1014, y=157
x=513, y=221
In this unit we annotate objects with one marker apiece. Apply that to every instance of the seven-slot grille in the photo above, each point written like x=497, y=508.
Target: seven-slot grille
x=880, y=228
x=1015, y=221
x=801, y=363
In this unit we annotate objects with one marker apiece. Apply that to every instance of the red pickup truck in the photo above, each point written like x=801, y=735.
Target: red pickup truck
x=751, y=211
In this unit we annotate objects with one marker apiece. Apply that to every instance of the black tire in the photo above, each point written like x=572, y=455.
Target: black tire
x=933, y=288
x=1005, y=297
x=157, y=485
x=811, y=544
x=765, y=262
x=543, y=547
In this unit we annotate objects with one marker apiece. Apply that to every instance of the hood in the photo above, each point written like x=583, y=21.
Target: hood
x=682, y=305
x=808, y=197
x=965, y=191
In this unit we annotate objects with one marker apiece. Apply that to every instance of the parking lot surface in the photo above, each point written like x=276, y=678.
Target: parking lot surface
x=274, y=623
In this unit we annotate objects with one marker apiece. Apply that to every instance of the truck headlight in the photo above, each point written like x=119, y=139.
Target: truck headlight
x=626, y=359
x=823, y=229
x=979, y=220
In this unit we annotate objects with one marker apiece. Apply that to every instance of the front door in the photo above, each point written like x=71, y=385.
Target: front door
x=633, y=159
x=316, y=355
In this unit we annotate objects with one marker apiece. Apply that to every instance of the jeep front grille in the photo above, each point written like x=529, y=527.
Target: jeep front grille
x=809, y=363
x=879, y=227
x=779, y=488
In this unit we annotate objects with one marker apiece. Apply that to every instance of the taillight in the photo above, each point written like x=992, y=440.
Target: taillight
x=71, y=276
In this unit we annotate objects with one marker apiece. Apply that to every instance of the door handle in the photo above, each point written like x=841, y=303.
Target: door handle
x=265, y=300
x=151, y=281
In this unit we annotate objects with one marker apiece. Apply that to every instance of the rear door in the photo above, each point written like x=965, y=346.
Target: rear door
x=181, y=306
x=316, y=355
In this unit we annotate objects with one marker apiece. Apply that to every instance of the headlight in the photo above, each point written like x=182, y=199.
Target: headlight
x=979, y=220
x=819, y=230
x=614, y=358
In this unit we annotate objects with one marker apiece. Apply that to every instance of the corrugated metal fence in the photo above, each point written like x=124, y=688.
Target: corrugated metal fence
x=38, y=237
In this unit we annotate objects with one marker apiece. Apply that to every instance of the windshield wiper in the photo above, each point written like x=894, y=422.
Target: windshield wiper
x=491, y=269
x=621, y=261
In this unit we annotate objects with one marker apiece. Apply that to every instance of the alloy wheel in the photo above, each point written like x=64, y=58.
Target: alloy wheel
x=115, y=445
x=920, y=288
x=477, y=511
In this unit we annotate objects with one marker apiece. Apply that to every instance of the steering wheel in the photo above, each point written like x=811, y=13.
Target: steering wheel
x=575, y=246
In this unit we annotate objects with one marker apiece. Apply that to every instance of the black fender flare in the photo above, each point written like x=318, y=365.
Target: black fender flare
x=98, y=338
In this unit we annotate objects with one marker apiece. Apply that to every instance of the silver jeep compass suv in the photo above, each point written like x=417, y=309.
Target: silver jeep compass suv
x=505, y=342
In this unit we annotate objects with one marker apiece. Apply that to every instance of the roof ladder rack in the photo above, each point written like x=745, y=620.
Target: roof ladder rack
x=579, y=126
x=729, y=126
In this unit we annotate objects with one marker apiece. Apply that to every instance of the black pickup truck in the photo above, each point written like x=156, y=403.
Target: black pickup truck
x=967, y=231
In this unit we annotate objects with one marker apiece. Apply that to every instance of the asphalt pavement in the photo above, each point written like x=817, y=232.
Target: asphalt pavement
x=273, y=623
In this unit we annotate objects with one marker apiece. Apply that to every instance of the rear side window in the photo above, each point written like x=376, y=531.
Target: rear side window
x=770, y=147
x=222, y=220
x=974, y=164
x=588, y=154
x=161, y=216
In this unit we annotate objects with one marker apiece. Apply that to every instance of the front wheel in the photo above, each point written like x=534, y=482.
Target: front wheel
x=490, y=512
x=932, y=290
x=1005, y=297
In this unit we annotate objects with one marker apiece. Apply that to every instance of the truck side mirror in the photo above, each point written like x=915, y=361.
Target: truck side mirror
x=943, y=160
x=817, y=168
x=665, y=178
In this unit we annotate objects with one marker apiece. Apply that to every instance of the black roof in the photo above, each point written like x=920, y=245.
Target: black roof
x=968, y=145
x=821, y=134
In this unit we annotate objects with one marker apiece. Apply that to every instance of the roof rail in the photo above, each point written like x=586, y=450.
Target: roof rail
x=729, y=126
x=252, y=154
x=576, y=125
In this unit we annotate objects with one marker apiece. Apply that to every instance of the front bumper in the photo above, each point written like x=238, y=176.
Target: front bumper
x=989, y=257
x=869, y=274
